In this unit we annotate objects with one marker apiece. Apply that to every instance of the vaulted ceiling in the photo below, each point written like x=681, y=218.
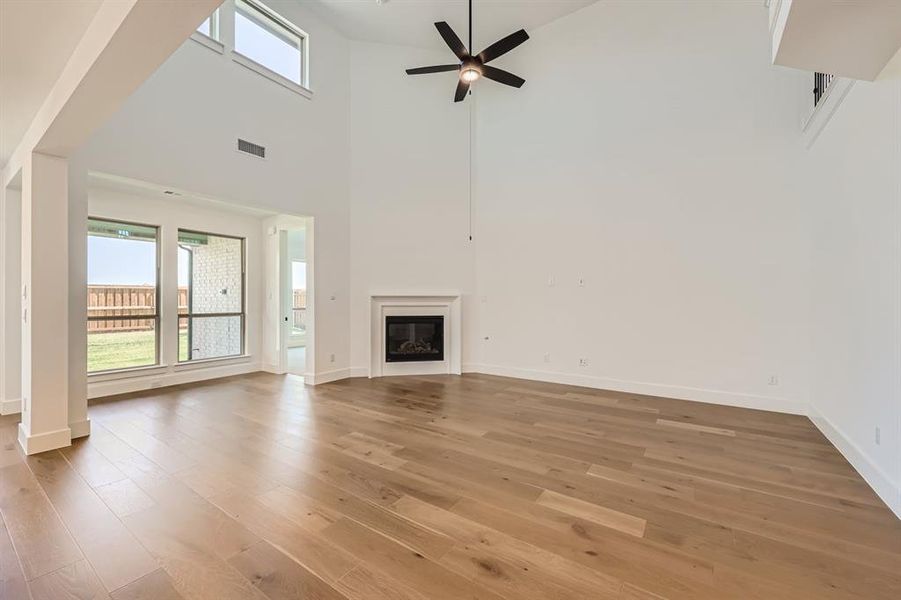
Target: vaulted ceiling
x=409, y=22
x=36, y=40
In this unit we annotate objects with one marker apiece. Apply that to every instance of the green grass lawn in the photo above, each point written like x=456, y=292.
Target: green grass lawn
x=126, y=349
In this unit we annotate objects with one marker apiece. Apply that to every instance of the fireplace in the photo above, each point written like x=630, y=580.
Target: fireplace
x=414, y=339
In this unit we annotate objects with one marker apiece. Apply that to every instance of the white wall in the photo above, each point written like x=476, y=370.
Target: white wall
x=389, y=190
x=650, y=154
x=653, y=154
x=11, y=301
x=409, y=186
x=79, y=421
x=853, y=178
x=180, y=129
x=169, y=216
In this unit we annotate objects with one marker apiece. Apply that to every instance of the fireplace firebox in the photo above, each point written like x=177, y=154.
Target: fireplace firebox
x=414, y=339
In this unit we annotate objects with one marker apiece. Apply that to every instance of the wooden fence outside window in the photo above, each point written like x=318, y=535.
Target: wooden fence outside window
x=127, y=303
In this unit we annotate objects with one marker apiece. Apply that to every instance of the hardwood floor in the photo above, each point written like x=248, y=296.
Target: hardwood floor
x=433, y=488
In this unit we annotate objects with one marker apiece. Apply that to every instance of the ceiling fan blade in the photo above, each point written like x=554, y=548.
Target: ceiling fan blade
x=435, y=69
x=501, y=76
x=500, y=48
x=462, y=90
x=452, y=40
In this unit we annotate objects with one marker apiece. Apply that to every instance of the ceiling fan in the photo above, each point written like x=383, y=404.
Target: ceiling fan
x=472, y=67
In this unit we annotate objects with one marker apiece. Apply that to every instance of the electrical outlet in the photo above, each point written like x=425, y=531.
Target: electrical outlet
x=583, y=362
x=774, y=380
x=581, y=282
x=878, y=436
x=331, y=358
x=547, y=357
x=550, y=281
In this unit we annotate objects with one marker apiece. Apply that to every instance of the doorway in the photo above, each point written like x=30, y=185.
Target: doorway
x=288, y=323
x=297, y=302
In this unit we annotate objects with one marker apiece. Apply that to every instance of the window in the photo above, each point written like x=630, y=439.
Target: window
x=299, y=297
x=210, y=296
x=123, y=295
x=210, y=27
x=269, y=40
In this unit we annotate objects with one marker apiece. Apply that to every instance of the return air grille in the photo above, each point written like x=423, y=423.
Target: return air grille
x=251, y=148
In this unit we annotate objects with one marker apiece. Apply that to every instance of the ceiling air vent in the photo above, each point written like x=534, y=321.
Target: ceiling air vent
x=251, y=148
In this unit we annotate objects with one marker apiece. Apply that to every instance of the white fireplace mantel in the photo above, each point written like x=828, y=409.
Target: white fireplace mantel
x=446, y=303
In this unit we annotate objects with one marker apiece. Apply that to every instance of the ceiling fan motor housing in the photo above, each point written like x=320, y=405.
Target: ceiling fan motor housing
x=472, y=67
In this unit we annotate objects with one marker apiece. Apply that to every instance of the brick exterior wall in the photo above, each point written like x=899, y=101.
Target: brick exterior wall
x=217, y=279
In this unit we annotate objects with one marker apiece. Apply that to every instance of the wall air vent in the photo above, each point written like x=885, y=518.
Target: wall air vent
x=251, y=148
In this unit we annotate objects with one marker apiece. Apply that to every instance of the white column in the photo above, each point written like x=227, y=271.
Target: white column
x=79, y=423
x=10, y=301
x=45, y=309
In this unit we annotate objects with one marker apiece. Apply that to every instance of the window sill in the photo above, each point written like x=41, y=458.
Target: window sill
x=283, y=81
x=134, y=372
x=212, y=362
x=127, y=373
x=208, y=42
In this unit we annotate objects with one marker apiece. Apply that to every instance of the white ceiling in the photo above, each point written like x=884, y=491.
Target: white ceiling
x=410, y=22
x=38, y=36
x=36, y=40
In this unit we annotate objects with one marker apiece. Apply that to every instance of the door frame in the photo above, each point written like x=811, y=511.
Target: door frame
x=278, y=302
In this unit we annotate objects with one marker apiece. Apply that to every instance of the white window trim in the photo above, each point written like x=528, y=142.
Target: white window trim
x=256, y=67
x=224, y=43
x=214, y=26
x=292, y=29
x=208, y=42
x=213, y=41
x=203, y=363
x=114, y=374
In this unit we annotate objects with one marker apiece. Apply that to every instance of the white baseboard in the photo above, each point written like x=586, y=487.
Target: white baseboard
x=326, y=376
x=42, y=442
x=80, y=429
x=11, y=407
x=678, y=392
x=359, y=371
x=878, y=480
x=99, y=389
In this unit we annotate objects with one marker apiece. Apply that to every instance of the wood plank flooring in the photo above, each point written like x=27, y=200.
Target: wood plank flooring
x=438, y=488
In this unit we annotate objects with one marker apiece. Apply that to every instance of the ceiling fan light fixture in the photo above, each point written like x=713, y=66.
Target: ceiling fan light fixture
x=473, y=67
x=470, y=75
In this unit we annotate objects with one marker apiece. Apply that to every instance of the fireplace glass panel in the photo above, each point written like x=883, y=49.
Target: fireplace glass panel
x=414, y=339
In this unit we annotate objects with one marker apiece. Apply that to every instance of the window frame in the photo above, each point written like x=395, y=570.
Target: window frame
x=156, y=317
x=190, y=315
x=215, y=33
x=268, y=18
